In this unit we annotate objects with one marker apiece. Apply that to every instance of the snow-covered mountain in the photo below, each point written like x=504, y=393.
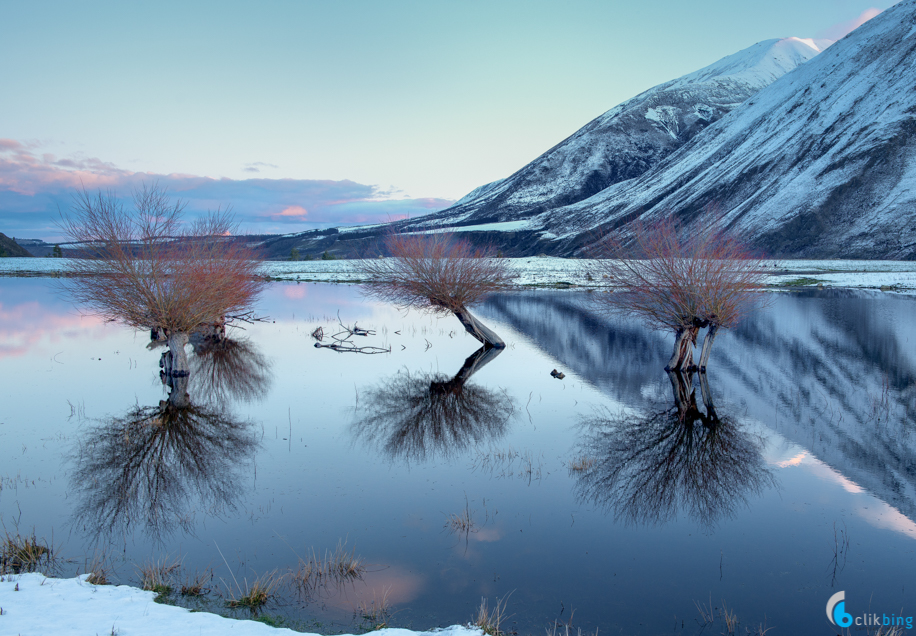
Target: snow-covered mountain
x=822, y=162
x=631, y=138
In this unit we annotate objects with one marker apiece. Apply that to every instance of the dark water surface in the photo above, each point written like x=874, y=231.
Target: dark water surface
x=591, y=497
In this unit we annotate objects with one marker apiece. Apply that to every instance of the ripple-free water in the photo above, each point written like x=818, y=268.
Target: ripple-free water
x=587, y=500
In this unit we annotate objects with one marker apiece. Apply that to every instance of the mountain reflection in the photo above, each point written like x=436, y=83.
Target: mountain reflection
x=156, y=467
x=833, y=371
x=417, y=416
x=648, y=468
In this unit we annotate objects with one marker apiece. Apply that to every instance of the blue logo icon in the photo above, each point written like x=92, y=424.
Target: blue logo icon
x=836, y=610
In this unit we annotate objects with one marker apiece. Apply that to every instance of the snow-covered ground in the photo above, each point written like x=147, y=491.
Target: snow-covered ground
x=897, y=276
x=34, y=605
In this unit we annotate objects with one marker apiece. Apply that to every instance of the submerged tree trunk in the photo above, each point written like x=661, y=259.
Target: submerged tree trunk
x=477, y=329
x=711, y=416
x=707, y=346
x=178, y=392
x=174, y=362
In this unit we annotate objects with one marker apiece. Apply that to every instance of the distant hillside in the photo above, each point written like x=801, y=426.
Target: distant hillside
x=9, y=247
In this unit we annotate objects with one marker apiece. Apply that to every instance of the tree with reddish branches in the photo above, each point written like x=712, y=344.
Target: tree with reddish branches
x=681, y=281
x=438, y=273
x=145, y=268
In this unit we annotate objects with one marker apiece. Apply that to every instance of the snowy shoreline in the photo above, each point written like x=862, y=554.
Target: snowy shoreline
x=893, y=276
x=36, y=605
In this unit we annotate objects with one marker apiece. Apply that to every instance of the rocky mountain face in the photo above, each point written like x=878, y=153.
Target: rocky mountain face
x=802, y=150
x=632, y=138
x=622, y=144
x=820, y=163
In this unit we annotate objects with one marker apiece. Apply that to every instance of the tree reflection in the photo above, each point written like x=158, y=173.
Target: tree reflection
x=416, y=416
x=227, y=368
x=647, y=469
x=155, y=467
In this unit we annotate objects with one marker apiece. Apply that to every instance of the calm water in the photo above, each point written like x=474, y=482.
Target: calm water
x=590, y=494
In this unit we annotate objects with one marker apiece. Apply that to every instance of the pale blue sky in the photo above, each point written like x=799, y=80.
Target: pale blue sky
x=430, y=99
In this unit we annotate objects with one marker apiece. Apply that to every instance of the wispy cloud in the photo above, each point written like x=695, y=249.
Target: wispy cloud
x=842, y=29
x=257, y=165
x=34, y=186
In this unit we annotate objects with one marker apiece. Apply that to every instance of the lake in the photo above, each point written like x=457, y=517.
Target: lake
x=617, y=498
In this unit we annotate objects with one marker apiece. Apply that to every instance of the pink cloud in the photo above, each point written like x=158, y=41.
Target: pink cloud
x=295, y=211
x=34, y=185
x=842, y=29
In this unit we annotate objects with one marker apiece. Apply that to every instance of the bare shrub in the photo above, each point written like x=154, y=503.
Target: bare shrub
x=679, y=281
x=145, y=268
x=438, y=273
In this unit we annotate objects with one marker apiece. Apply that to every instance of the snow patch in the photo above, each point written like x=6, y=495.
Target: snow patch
x=66, y=607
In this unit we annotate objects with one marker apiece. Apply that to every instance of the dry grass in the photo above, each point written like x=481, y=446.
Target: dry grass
x=255, y=595
x=100, y=569
x=158, y=576
x=334, y=568
x=377, y=611
x=490, y=621
x=581, y=464
x=26, y=553
x=462, y=522
x=197, y=584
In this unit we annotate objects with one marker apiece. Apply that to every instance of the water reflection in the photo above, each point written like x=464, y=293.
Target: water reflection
x=648, y=468
x=833, y=371
x=417, y=416
x=224, y=369
x=155, y=467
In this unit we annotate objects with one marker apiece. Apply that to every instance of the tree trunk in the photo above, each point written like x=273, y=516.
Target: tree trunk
x=682, y=358
x=479, y=330
x=175, y=360
x=707, y=346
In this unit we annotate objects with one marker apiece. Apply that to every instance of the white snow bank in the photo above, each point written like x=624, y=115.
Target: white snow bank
x=44, y=606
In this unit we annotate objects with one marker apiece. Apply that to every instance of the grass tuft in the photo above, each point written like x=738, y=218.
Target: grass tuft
x=156, y=576
x=581, y=464
x=256, y=594
x=377, y=611
x=197, y=584
x=27, y=553
x=100, y=569
x=335, y=568
x=490, y=621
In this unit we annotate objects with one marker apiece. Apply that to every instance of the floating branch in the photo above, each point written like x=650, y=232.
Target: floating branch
x=342, y=339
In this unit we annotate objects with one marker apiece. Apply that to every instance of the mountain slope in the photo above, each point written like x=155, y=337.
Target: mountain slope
x=631, y=138
x=821, y=163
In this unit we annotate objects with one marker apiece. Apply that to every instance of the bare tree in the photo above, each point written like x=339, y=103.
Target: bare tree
x=683, y=282
x=147, y=269
x=438, y=273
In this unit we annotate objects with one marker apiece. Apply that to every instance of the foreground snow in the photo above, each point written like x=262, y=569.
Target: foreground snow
x=44, y=605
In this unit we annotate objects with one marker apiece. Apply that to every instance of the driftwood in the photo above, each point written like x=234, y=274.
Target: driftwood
x=342, y=339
